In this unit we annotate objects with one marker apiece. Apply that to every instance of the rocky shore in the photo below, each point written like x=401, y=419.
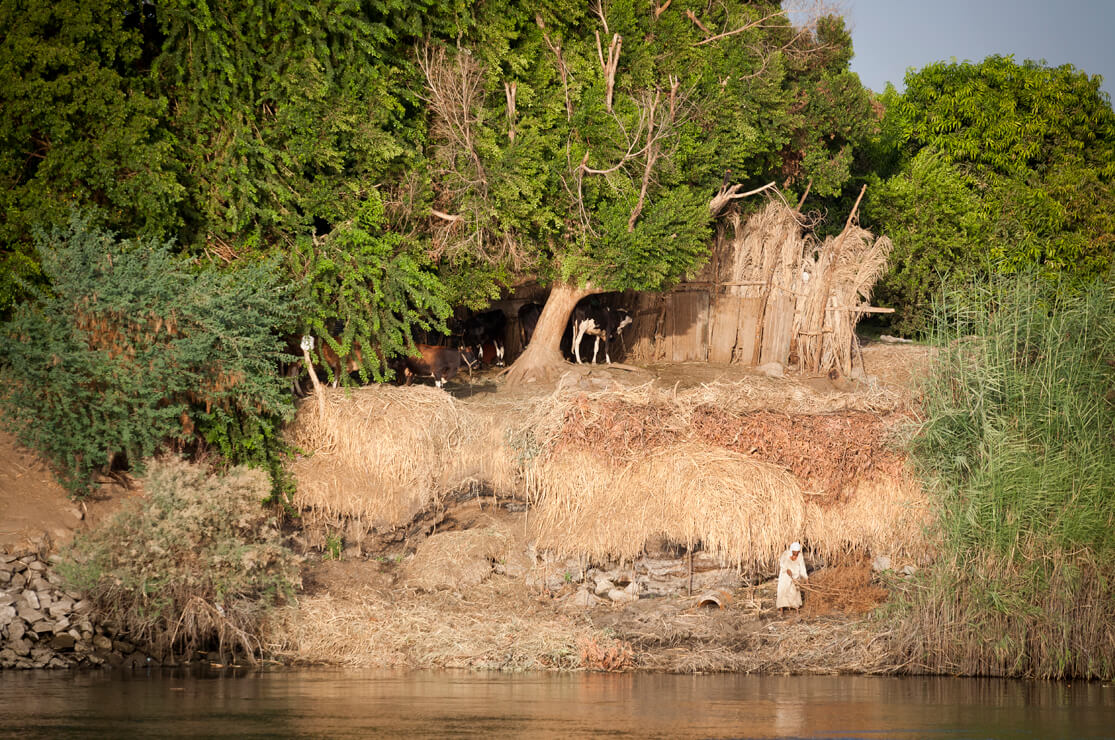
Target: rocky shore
x=45, y=625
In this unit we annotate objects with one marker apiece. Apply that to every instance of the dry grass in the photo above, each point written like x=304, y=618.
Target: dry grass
x=890, y=515
x=609, y=472
x=381, y=454
x=740, y=509
x=496, y=626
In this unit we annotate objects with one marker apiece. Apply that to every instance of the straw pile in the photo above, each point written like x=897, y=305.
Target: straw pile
x=738, y=508
x=608, y=473
x=381, y=454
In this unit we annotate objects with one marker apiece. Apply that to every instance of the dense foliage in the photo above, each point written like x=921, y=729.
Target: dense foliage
x=997, y=167
x=132, y=347
x=195, y=563
x=1017, y=442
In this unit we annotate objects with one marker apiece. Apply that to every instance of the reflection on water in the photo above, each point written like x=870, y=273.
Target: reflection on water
x=336, y=704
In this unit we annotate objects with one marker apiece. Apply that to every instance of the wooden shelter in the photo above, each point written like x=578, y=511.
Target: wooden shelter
x=770, y=293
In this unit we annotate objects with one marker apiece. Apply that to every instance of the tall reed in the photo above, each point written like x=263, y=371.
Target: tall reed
x=1018, y=443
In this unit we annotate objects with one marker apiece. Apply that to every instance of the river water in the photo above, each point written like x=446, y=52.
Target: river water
x=349, y=704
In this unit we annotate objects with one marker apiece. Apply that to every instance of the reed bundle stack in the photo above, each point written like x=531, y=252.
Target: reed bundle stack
x=735, y=469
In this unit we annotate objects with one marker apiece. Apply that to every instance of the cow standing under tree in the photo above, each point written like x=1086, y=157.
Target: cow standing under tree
x=600, y=322
x=440, y=363
x=487, y=331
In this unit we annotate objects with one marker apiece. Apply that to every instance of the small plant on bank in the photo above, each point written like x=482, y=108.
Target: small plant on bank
x=196, y=563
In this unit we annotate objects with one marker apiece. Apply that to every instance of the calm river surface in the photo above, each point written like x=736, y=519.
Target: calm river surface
x=343, y=704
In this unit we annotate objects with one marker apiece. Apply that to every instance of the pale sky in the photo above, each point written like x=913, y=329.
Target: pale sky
x=890, y=36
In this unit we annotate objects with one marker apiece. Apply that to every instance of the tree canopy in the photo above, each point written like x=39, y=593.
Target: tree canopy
x=997, y=166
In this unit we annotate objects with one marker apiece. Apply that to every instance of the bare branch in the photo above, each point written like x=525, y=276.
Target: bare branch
x=452, y=218
x=747, y=27
x=697, y=21
x=509, y=90
x=661, y=9
x=727, y=194
x=563, y=68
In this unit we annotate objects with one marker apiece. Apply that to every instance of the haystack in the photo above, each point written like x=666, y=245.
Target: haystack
x=381, y=454
x=608, y=473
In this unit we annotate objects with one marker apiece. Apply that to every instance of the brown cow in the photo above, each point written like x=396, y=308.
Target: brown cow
x=439, y=363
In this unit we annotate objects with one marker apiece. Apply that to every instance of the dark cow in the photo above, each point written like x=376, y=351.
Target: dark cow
x=439, y=363
x=528, y=321
x=489, y=326
x=601, y=322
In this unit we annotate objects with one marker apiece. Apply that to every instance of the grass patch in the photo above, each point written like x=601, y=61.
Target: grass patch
x=1018, y=444
x=196, y=563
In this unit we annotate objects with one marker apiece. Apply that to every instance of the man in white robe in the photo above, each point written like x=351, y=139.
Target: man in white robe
x=791, y=570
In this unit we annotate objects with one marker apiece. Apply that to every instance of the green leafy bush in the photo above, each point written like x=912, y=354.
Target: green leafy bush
x=132, y=347
x=195, y=563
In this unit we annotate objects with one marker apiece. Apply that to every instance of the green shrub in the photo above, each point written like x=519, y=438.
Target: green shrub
x=195, y=563
x=131, y=348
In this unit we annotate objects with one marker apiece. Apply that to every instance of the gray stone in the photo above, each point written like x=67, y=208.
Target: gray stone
x=18, y=566
x=43, y=627
x=621, y=596
x=62, y=602
x=41, y=585
x=21, y=646
x=6, y=598
x=909, y=570
x=82, y=606
x=102, y=643
x=881, y=563
x=36, y=565
x=583, y=598
x=603, y=586
x=31, y=599
x=5, y=577
x=95, y=659
x=123, y=646
x=16, y=630
x=62, y=625
x=41, y=655
x=7, y=615
x=771, y=370
x=17, y=583
x=29, y=615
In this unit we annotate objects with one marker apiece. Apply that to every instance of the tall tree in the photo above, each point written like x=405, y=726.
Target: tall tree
x=1027, y=155
x=589, y=147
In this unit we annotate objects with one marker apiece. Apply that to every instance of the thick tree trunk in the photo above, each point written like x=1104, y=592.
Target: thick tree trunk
x=542, y=360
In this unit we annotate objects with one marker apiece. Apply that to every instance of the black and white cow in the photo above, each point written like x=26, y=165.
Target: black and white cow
x=601, y=322
x=528, y=321
x=489, y=326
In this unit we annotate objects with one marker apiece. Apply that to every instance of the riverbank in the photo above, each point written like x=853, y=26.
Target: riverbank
x=494, y=595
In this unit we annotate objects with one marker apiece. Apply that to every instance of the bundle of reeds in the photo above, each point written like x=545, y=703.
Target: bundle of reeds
x=842, y=273
x=380, y=454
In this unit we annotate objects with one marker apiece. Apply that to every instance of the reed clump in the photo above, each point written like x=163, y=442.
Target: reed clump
x=1017, y=442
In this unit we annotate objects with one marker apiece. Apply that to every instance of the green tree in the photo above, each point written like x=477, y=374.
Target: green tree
x=590, y=148
x=81, y=126
x=1034, y=149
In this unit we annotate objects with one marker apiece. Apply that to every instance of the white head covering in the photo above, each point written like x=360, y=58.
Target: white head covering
x=795, y=547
